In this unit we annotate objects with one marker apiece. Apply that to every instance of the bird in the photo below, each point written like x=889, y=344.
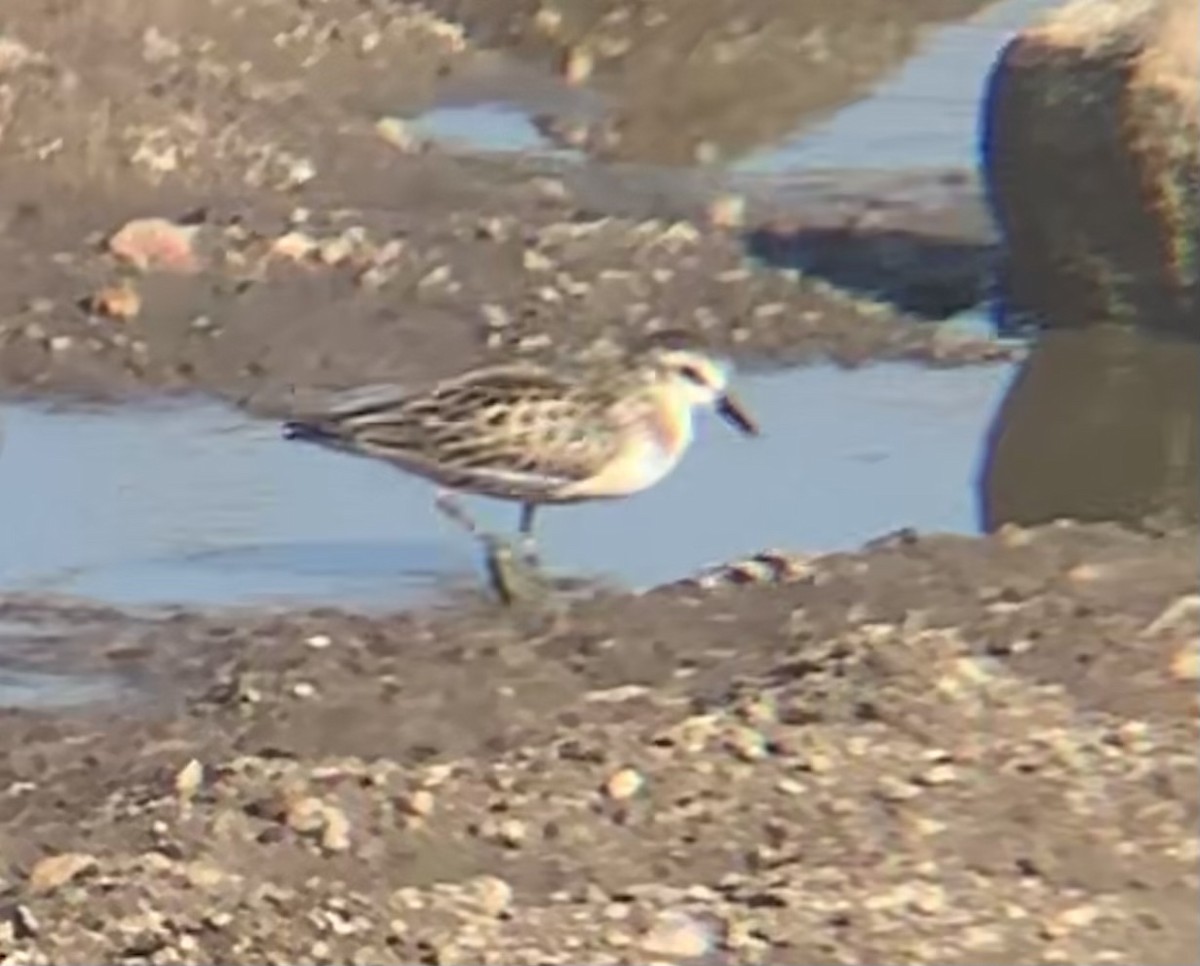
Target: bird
x=538, y=435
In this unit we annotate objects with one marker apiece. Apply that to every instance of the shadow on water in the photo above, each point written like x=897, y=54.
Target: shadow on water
x=920, y=273
x=1099, y=424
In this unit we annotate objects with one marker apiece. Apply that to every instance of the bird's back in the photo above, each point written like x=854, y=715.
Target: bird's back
x=509, y=431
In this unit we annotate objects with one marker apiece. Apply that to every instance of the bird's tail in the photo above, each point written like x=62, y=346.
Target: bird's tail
x=311, y=431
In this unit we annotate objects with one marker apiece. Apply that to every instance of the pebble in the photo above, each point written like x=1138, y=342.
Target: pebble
x=624, y=784
x=53, y=871
x=398, y=134
x=25, y=924
x=304, y=689
x=188, y=780
x=493, y=894
x=306, y=815
x=676, y=935
x=299, y=173
x=421, y=803
x=1185, y=665
x=578, y=65
x=318, y=642
x=893, y=789
x=512, y=832
x=156, y=243
x=727, y=211
x=295, y=245
x=335, y=837
x=943, y=774
x=120, y=301
x=335, y=251
x=748, y=744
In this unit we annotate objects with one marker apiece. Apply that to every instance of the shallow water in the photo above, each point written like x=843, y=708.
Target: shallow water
x=922, y=116
x=194, y=503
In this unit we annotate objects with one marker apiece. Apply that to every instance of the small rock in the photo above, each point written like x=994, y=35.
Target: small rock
x=1180, y=612
x=299, y=173
x=1068, y=921
x=54, y=871
x=156, y=243
x=398, y=134
x=318, y=642
x=336, y=250
x=306, y=815
x=624, y=784
x=1185, y=665
x=493, y=894
x=374, y=277
x=727, y=211
x=24, y=923
x=207, y=877
x=435, y=277
x=535, y=261
x=420, y=804
x=120, y=301
x=157, y=47
x=14, y=55
x=548, y=20
x=512, y=833
x=188, y=780
x=294, y=245
x=304, y=690
x=578, y=65
x=677, y=935
x=336, y=835
x=748, y=744
x=942, y=774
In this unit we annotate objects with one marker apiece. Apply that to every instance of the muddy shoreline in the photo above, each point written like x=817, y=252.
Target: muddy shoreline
x=507, y=264
x=424, y=260
x=938, y=749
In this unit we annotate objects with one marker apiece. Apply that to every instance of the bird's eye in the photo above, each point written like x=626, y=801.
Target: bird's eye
x=692, y=374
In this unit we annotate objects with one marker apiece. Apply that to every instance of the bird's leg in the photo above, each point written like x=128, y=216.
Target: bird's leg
x=528, y=545
x=449, y=505
x=511, y=578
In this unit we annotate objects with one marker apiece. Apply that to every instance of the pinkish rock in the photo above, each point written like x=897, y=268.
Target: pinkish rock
x=156, y=244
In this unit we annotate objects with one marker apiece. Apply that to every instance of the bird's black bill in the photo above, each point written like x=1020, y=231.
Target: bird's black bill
x=732, y=411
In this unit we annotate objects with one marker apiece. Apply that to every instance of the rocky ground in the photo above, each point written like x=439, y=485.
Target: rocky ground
x=939, y=749
x=330, y=244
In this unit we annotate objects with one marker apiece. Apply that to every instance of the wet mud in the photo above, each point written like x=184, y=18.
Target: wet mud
x=973, y=748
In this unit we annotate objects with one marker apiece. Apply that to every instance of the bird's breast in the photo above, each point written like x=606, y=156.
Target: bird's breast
x=666, y=426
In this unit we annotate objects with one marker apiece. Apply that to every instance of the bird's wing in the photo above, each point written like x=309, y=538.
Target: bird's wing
x=496, y=429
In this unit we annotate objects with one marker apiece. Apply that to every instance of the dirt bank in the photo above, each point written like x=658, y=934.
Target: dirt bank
x=252, y=124
x=939, y=750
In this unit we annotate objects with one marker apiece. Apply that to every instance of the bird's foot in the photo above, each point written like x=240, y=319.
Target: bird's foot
x=529, y=552
x=514, y=570
x=513, y=574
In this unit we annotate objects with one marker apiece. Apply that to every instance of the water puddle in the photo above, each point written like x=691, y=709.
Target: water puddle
x=493, y=105
x=922, y=116
x=196, y=504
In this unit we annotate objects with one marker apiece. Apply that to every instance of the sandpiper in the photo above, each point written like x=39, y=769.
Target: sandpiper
x=538, y=436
